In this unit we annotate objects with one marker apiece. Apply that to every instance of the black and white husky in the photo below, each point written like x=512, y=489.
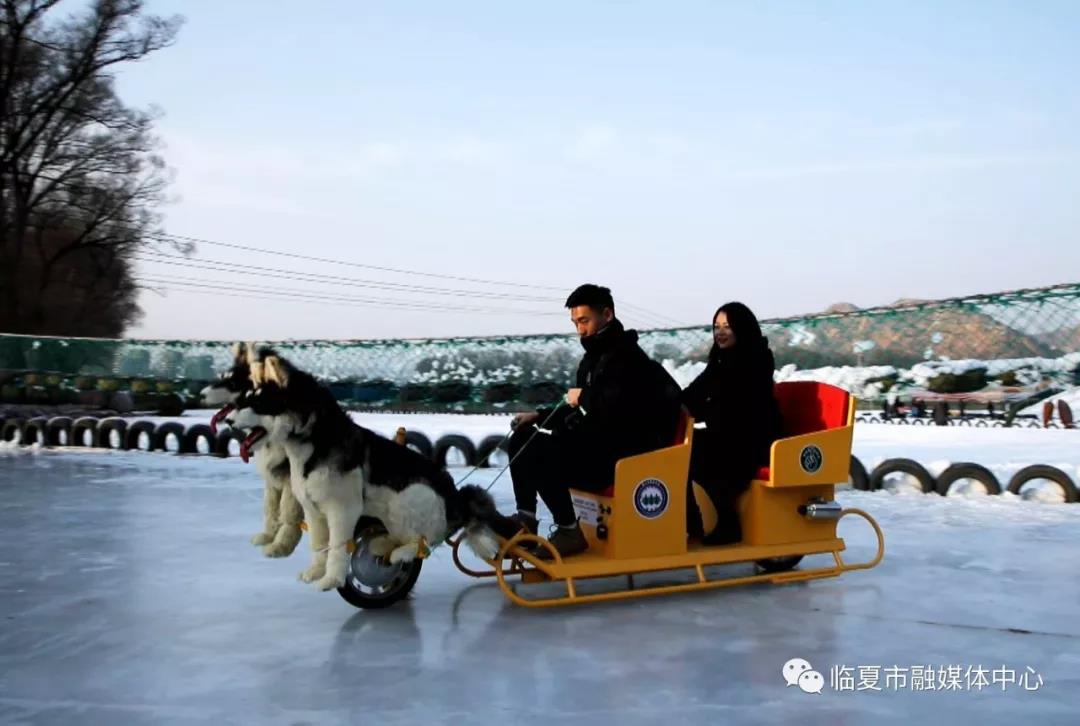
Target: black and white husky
x=340, y=471
x=282, y=514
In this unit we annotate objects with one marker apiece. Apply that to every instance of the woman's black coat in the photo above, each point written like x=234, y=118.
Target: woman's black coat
x=734, y=397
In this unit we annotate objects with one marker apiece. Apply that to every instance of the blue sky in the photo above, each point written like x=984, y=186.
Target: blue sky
x=790, y=155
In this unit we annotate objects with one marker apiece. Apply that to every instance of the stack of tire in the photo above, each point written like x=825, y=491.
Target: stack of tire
x=459, y=450
x=959, y=472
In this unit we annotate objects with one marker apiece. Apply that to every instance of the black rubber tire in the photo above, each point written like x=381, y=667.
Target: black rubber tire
x=133, y=434
x=454, y=441
x=190, y=443
x=161, y=434
x=905, y=466
x=418, y=441
x=1043, y=471
x=105, y=429
x=487, y=447
x=779, y=564
x=967, y=470
x=79, y=429
x=360, y=599
x=35, y=431
x=860, y=480
x=221, y=444
x=56, y=426
x=12, y=430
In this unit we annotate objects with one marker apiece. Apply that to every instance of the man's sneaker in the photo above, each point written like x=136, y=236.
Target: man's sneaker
x=567, y=540
x=525, y=522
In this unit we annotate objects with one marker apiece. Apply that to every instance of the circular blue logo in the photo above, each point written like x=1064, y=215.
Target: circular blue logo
x=810, y=459
x=651, y=498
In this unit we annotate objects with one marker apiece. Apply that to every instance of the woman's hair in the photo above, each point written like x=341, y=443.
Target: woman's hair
x=742, y=321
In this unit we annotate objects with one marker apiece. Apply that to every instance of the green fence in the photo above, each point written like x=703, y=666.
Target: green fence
x=1013, y=343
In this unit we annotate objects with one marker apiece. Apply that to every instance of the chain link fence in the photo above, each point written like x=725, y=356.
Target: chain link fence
x=1005, y=347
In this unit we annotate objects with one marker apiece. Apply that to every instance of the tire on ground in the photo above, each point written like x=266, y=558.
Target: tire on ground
x=161, y=435
x=134, y=432
x=454, y=441
x=12, y=430
x=487, y=447
x=902, y=466
x=860, y=480
x=190, y=443
x=967, y=470
x=34, y=431
x=56, y=426
x=1043, y=471
x=221, y=444
x=421, y=443
x=79, y=429
x=105, y=429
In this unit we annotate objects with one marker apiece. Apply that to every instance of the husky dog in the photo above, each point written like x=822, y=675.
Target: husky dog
x=340, y=471
x=282, y=514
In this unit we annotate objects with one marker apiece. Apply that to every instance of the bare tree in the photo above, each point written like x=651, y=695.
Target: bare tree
x=80, y=176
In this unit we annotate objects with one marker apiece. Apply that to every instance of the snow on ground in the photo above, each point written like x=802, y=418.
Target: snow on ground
x=129, y=593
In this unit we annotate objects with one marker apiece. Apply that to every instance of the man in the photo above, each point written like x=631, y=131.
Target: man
x=623, y=403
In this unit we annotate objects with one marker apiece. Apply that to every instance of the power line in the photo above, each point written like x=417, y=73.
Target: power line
x=662, y=319
x=293, y=294
x=347, y=263
x=260, y=271
x=279, y=273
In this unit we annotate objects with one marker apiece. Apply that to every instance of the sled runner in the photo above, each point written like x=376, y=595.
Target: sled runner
x=639, y=525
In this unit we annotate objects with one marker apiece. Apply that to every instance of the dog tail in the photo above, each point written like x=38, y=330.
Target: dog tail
x=483, y=523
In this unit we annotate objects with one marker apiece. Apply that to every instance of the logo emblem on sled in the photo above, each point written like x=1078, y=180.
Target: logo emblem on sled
x=651, y=498
x=810, y=459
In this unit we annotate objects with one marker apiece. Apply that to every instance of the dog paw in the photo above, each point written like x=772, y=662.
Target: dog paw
x=330, y=582
x=278, y=549
x=381, y=546
x=262, y=538
x=405, y=553
x=313, y=573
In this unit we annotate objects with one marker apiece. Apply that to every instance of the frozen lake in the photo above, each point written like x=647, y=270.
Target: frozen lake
x=130, y=594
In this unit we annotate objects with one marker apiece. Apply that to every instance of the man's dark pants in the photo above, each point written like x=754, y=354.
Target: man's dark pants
x=551, y=465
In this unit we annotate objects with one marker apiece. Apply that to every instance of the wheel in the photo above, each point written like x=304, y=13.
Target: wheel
x=860, y=480
x=190, y=443
x=779, y=564
x=221, y=444
x=488, y=446
x=967, y=470
x=1042, y=471
x=162, y=433
x=79, y=430
x=34, y=432
x=134, y=434
x=12, y=430
x=902, y=466
x=104, y=433
x=59, y=425
x=369, y=584
x=454, y=441
x=419, y=443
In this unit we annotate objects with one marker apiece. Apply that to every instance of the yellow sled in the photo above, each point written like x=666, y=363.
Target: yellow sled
x=639, y=524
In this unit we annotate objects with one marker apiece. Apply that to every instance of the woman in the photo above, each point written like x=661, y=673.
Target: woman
x=734, y=397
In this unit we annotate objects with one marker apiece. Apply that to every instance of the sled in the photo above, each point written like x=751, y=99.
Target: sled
x=638, y=525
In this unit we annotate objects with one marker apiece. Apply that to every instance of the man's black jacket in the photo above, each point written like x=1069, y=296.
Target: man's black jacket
x=629, y=404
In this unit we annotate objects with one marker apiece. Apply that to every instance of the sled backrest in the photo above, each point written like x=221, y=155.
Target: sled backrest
x=809, y=406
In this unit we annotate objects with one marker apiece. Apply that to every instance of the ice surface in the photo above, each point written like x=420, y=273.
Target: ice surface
x=129, y=594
